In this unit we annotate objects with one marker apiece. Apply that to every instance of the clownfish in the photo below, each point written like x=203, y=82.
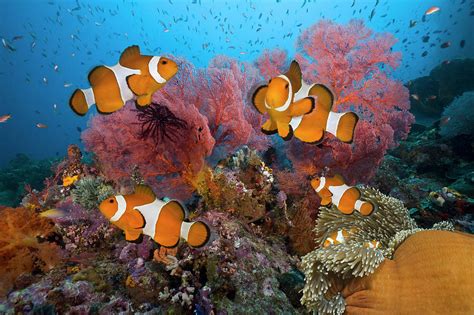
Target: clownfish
x=335, y=238
x=372, y=244
x=134, y=76
x=345, y=198
x=143, y=213
x=296, y=108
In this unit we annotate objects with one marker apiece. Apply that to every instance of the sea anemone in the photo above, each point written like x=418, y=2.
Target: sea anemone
x=90, y=192
x=328, y=269
x=159, y=123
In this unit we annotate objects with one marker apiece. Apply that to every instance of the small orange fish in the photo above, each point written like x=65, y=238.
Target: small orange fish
x=338, y=237
x=372, y=244
x=443, y=121
x=415, y=97
x=333, y=190
x=42, y=126
x=432, y=10
x=4, y=118
x=69, y=180
x=142, y=213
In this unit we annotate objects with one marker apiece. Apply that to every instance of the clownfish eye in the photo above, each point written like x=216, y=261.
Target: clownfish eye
x=286, y=86
x=111, y=201
x=163, y=62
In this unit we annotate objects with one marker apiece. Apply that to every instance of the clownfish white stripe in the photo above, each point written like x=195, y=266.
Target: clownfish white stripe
x=322, y=183
x=303, y=91
x=358, y=205
x=340, y=237
x=333, y=122
x=121, y=73
x=121, y=207
x=338, y=192
x=151, y=213
x=185, y=227
x=153, y=69
x=288, y=100
x=89, y=95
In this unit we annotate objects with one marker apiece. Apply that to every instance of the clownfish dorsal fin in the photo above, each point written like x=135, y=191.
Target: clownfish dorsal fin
x=130, y=56
x=145, y=191
x=294, y=75
x=338, y=179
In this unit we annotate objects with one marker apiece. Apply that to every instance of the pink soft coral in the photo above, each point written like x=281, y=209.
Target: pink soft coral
x=214, y=104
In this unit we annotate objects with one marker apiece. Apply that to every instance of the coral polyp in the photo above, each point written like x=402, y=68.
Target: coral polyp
x=159, y=123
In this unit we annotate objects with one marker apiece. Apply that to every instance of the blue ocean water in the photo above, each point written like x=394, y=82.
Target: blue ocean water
x=54, y=44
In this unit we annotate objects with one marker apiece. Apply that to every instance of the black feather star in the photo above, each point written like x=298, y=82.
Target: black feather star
x=159, y=123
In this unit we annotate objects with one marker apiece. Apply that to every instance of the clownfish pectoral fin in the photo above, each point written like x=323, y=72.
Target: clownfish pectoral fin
x=326, y=201
x=133, y=236
x=285, y=131
x=145, y=192
x=302, y=107
x=269, y=127
x=258, y=99
x=134, y=219
x=324, y=95
x=130, y=56
x=140, y=84
x=294, y=75
x=144, y=100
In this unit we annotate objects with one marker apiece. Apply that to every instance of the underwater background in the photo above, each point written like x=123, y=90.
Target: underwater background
x=274, y=242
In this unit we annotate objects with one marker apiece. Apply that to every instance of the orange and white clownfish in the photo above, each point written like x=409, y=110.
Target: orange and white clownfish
x=372, y=244
x=135, y=75
x=345, y=198
x=301, y=109
x=335, y=238
x=142, y=213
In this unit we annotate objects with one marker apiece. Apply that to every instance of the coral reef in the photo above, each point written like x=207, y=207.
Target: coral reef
x=83, y=230
x=435, y=91
x=25, y=245
x=326, y=267
x=242, y=188
x=216, y=115
x=22, y=171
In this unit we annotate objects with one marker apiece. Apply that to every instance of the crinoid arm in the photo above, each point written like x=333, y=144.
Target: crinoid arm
x=159, y=123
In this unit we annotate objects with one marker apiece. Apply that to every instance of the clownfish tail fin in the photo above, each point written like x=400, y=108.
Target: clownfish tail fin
x=197, y=234
x=81, y=101
x=365, y=207
x=347, y=124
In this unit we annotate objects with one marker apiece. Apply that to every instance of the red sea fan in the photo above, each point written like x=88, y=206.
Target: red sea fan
x=356, y=64
x=271, y=63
